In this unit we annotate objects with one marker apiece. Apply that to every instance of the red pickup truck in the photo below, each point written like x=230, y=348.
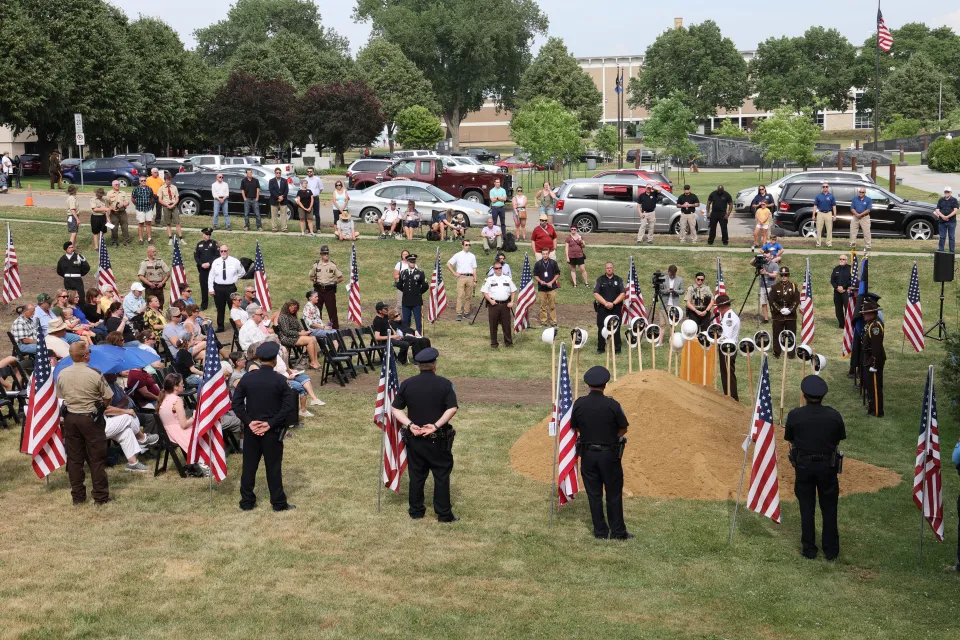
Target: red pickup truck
x=468, y=186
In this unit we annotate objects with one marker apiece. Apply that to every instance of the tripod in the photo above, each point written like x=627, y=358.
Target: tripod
x=758, y=275
x=940, y=326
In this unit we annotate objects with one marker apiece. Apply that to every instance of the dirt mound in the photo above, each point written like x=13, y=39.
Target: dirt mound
x=684, y=442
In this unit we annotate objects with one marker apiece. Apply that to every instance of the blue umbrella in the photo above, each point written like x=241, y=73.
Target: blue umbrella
x=107, y=358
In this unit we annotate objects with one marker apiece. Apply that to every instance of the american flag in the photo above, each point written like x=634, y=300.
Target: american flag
x=634, y=306
x=213, y=401
x=438, y=293
x=927, y=479
x=42, y=437
x=260, y=281
x=178, y=276
x=884, y=38
x=807, y=324
x=764, y=495
x=11, y=272
x=105, y=270
x=568, y=482
x=354, y=310
x=912, y=315
x=847, y=347
x=394, y=450
x=525, y=298
x=718, y=289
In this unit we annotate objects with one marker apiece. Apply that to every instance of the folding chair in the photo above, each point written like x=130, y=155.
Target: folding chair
x=170, y=450
x=343, y=349
x=235, y=343
x=357, y=345
x=332, y=363
x=377, y=349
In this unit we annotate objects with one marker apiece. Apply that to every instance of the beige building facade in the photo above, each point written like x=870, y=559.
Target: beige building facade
x=15, y=144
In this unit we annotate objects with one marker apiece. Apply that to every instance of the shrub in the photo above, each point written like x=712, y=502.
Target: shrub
x=944, y=155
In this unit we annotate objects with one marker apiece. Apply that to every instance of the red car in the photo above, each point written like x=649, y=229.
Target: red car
x=651, y=176
x=517, y=162
x=29, y=163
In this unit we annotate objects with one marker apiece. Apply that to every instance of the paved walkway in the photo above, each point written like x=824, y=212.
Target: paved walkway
x=923, y=177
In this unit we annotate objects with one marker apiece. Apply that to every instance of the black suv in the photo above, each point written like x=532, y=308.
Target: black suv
x=196, y=195
x=892, y=217
x=482, y=155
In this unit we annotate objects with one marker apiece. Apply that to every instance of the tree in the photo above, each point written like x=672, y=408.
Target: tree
x=547, y=131
x=417, y=128
x=913, y=90
x=671, y=122
x=556, y=74
x=605, y=140
x=899, y=127
x=788, y=136
x=469, y=50
x=252, y=110
x=698, y=65
x=729, y=130
x=341, y=115
x=398, y=83
x=813, y=71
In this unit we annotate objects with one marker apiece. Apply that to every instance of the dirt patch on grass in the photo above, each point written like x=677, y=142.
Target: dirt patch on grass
x=684, y=442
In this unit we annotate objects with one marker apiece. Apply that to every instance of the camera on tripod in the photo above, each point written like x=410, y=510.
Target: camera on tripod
x=758, y=260
x=658, y=280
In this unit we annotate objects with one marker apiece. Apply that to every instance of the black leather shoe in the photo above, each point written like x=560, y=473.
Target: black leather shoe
x=289, y=507
x=629, y=536
x=600, y=537
x=453, y=519
x=420, y=517
x=250, y=508
x=220, y=329
x=100, y=504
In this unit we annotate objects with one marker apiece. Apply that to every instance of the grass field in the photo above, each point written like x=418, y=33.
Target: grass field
x=162, y=562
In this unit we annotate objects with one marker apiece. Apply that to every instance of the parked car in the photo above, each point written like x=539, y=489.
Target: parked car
x=483, y=155
x=196, y=197
x=207, y=161
x=412, y=153
x=103, y=171
x=69, y=163
x=245, y=160
x=29, y=164
x=368, y=205
x=646, y=155
x=362, y=173
x=467, y=164
x=140, y=160
x=891, y=216
x=593, y=154
x=655, y=177
x=518, y=162
x=746, y=196
x=171, y=165
x=258, y=171
x=610, y=204
x=469, y=186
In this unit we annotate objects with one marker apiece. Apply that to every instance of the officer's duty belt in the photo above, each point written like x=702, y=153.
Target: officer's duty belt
x=327, y=287
x=92, y=415
x=72, y=275
x=600, y=447
x=813, y=457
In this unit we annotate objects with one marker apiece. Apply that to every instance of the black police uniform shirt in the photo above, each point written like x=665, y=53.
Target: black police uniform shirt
x=609, y=288
x=688, y=199
x=206, y=252
x=840, y=277
x=815, y=429
x=412, y=284
x=648, y=203
x=598, y=418
x=74, y=264
x=426, y=397
x=719, y=201
x=263, y=394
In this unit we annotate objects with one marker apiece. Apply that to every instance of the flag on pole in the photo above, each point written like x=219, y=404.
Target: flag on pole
x=354, y=310
x=11, y=272
x=213, y=401
x=764, y=495
x=912, y=315
x=525, y=298
x=438, y=293
x=927, y=479
x=618, y=88
x=718, y=289
x=42, y=437
x=178, y=276
x=884, y=37
x=568, y=482
x=394, y=450
x=633, y=303
x=260, y=281
x=807, y=323
x=105, y=270
x=847, y=346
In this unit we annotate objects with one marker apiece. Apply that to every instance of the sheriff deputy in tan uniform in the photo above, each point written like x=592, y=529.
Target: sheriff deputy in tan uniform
x=118, y=202
x=154, y=274
x=784, y=301
x=700, y=301
x=325, y=276
x=81, y=389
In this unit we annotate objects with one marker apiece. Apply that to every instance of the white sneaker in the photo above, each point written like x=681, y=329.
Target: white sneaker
x=137, y=467
x=318, y=403
x=306, y=414
x=150, y=439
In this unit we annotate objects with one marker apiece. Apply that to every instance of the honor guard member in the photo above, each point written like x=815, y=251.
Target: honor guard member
x=600, y=424
x=325, y=276
x=412, y=285
x=72, y=267
x=153, y=274
x=874, y=358
x=224, y=273
x=431, y=403
x=500, y=293
x=608, y=294
x=730, y=322
x=814, y=432
x=85, y=394
x=700, y=301
x=206, y=251
x=784, y=299
x=266, y=405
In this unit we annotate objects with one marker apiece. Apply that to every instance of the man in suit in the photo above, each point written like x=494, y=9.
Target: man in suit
x=278, y=200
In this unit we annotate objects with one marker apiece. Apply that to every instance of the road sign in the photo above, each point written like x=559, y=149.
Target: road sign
x=80, y=140
x=78, y=123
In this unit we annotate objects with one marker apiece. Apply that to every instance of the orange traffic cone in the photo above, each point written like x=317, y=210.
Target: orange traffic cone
x=29, y=196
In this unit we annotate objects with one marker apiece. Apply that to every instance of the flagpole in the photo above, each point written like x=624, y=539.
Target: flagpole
x=876, y=91
x=211, y=483
x=743, y=469
x=783, y=384
x=556, y=447
x=386, y=386
x=926, y=449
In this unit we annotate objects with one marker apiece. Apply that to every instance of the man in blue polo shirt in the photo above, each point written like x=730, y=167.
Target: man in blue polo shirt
x=825, y=208
x=860, y=209
x=947, y=215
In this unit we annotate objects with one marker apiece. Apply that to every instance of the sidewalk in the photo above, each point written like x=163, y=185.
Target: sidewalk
x=923, y=177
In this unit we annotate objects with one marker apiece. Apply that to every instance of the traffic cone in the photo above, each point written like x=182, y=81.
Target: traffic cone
x=29, y=196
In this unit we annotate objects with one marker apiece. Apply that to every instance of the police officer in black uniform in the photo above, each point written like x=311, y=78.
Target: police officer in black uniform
x=874, y=358
x=431, y=403
x=814, y=432
x=412, y=285
x=204, y=254
x=72, y=267
x=608, y=293
x=600, y=424
x=266, y=405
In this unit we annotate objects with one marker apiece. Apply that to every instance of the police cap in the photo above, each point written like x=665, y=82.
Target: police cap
x=67, y=245
x=412, y=257
x=784, y=271
x=870, y=296
x=869, y=306
x=324, y=249
x=207, y=231
x=813, y=387
x=427, y=356
x=268, y=351
x=596, y=376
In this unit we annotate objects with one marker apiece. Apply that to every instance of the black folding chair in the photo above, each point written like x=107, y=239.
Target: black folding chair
x=235, y=343
x=170, y=450
x=333, y=363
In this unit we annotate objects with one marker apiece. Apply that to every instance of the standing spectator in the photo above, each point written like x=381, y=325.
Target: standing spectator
x=398, y=271
x=947, y=213
x=56, y=178
x=826, y=208
x=761, y=198
x=346, y=231
x=546, y=199
x=118, y=202
x=840, y=282
x=411, y=219
x=688, y=203
x=154, y=274
x=761, y=205
x=250, y=189
x=608, y=294
x=546, y=272
x=169, y=199
x=498, y=201
x=221, y=202
x=576, y=256
x=305, y=200
x=861, y=207
x=720, y=205
x=7, y=166
x=492, y=236
x=544, y=237
x=315, y=184
x=463, y=265
x=647, y=213
x=519, y=203
x=206, y=251
x=279, y=190
x=341, y=200
x=17, y=172
x=155, y=182
x=390, y=222
x=98, y=217
x=73, y=214
x=224, y=273
x=143, y=203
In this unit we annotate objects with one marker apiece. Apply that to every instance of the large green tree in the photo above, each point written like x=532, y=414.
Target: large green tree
x=341, y=115
x=669, y=126
x=788, y=136
x=417, y=128
x=252, y=111
x=469, y=50
x=398, y=83
x=547, y=131
x=556, y=74
x=696, y=64
x=913, y=91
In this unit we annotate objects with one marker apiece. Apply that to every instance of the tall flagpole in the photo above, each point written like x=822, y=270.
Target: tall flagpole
x=876, y=90
x=383, y=432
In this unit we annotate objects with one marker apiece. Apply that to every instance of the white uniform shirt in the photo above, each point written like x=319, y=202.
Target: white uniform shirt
x=731, y=326
x=220, y=190
x=499, y=287
x=464, y=262
x=228, y=273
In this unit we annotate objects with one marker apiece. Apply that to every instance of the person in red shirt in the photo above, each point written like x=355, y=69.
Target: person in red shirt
x=544, y=237
x=142, y=386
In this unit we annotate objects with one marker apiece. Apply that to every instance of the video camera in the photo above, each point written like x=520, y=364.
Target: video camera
x=758, y=260
x=658, y=280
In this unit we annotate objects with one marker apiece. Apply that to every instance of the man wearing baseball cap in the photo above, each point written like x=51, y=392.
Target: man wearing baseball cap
x=947, y=214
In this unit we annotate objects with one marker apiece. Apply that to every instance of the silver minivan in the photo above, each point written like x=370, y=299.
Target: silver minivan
x=610, y=204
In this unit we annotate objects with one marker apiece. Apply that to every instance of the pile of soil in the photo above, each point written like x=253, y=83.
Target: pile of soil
x=684, y=442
